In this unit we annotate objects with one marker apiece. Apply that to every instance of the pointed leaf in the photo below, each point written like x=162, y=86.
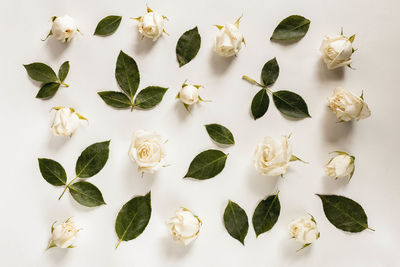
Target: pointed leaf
x=41, y=72
x=236, y=221
x=220, y=134
x=63, y=71
x=92, y=159
x=260, y=103
x=149, y=97
x=48, y=90
x=266, y=214
x=86, y=194
x=292, y=28
x=107, y=25
x=270, y=72
x=290, y=104
x=115, y=99
x=127, y=74
x=52, y=172
x=207, y=164
x=188, y=45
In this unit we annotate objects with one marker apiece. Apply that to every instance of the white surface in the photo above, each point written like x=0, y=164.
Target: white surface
x=29, y=205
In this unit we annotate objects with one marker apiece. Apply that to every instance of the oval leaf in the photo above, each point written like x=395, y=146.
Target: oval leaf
x=220, y=134
x=133, y=218
x=63, y=71
x=344, y=213
x=207, y=164
x=127, y=74
x=86, y=194
x=108, y=25
x=266, y=214
x=115, y=99
x=41, y=72
x=290, y=104
x=188, y=45
x=92, y=159
x=48, y=90
x=236, y=221
x=149, y=97
x=270, y=72
x=52, y=172
x=260, y=103
x=292, y=28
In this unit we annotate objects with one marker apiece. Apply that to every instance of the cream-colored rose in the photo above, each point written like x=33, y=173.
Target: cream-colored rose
x=147, y=151
x=304, y=230
x=272, y=157
x=151, y=25
x=185, y=226
x=340, y=166
x=347, y=106
x=64, y=234
x=229, y=40
x=66, y=121
x=189, y=94
x=336, y=51
x=63, y=28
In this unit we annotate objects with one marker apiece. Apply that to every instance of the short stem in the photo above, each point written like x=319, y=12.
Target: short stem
x=119, y=242
x=67, y=186
x=132, y=107
x=252, y=81
x=64, y=84
x=371, y=229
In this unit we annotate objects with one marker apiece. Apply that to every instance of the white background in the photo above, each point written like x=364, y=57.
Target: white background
x=29, y=204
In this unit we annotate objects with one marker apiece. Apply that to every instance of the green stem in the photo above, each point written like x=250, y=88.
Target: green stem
x=252, y=81
x=64, y=84
x=119, y=242
x=67, y=186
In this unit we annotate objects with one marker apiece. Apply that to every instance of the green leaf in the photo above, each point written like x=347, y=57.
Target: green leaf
x=290, y=104
x=236, y=221
x=52, y=172
x=48, y=90
x=107, y=25
x=266, y=214
x=207, y=164
x=292, y=28
x=127, y=74
x=149, y=97
x=115, y=99
x=260, y=103
x=41, y=72
x=133, y=218
x=188, y=45
x=220, y=134
x=86, y=194
x=63, y=71
x=270, y=72
x=344, y=213
x=92, y=159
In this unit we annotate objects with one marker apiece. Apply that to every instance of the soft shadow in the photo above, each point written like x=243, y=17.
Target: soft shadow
x=290, y=249
x=56, y=142
x=325, y=74
x=261, y=185
x=332, y=185
x=334, y=130
x=174, y=249
x=284, y=43
x=144, y=45
x=135, y=180
x=55, y=47
x=220, y=64
x=56, y=254
x=181, y=110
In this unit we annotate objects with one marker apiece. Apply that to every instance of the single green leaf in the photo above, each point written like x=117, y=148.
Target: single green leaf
x=133, y=218
x=270, y=72
x=63, y=71
x=236, y=221
x=41, y=72
x=92, y=159
x=266, y=214
x=48, y=90
x=52, y=172
x=292, y=28
x=220, y=134
x=290, y=104
x=127, y=74
x=86, y=194
x=115, y=99
x=107, y=25
x=207, y=164
x=260, y=103
x=149, y=97
x=344, y=213
x=188, y=46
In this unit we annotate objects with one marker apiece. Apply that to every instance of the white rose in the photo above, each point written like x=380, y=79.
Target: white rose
x=185, y=226
x=147, y=150
x=336, y=51
x=347, y=106
x=229, y=40
x=63, y=28
x=63, y=235
x=304, y=230
x=151, y=25
x=342, y=165
x=66, y=121
x=189, y=94
x=272, y=157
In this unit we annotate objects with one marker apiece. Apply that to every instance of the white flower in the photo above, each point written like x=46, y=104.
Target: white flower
x=185, y=226
x=229, y=40
x=147, y=150
x=337, y=51
x=63, y=28
x=340, y=166
x=63, y=235
x=304, y=230
x=151, y=24
x=272, y=157
x=347, y=106
x=189, y=94
x=66, y=121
